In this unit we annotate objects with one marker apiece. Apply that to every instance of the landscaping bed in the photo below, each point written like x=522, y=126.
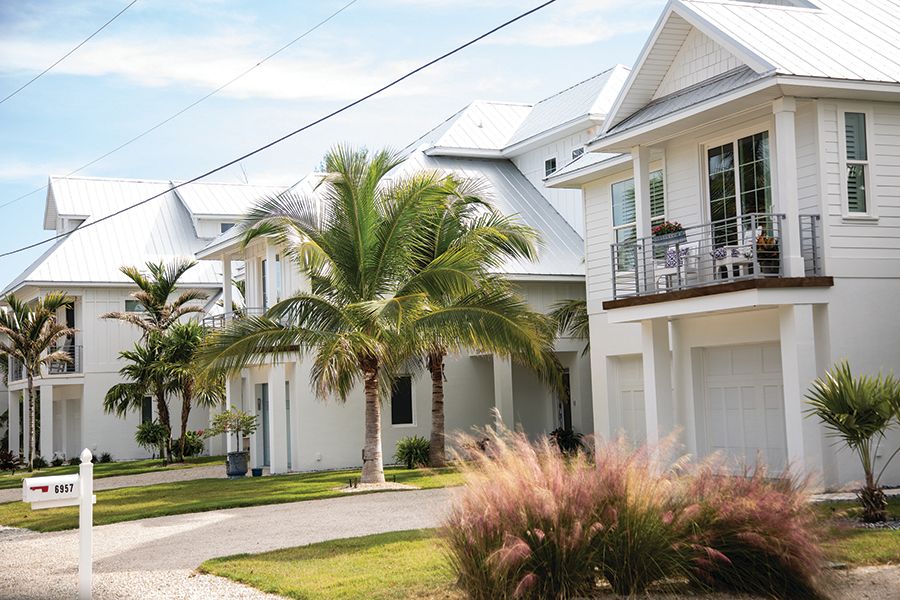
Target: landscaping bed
x=127, y=504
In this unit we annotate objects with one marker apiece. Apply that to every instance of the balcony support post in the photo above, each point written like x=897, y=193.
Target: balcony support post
x=46, y=399
x=271, y=265
x=227, y=302
x=658, y=396
x=278, y=445
x=786, y=187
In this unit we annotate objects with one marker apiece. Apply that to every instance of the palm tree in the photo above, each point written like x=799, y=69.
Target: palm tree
x=158, y=313
x=32, y=330
x=486, y=315
x=859, y=411
x=180, y=346
x=571, y=318
x=357, y=243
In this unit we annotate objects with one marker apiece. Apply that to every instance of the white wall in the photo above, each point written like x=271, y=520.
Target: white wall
x=698, y=59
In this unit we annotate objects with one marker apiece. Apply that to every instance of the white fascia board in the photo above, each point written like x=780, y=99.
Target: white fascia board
x=575, y=179
x=463, y=152
x=569, y=127
x=824, y=87
x=540, y=277
x=621, y=142
x=55, y=285
x=716, y=303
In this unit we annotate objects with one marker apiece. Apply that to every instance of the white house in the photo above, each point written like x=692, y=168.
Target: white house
x=85, y=265
x=509, y=148
x=771, y=131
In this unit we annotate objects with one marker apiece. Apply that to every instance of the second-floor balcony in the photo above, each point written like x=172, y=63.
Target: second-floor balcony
x=74, y=365
x=738, y=248
x=219, y=321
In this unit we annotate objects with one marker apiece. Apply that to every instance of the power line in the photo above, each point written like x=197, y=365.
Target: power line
x=195, y=103
x=277, y=141
x=69, y=53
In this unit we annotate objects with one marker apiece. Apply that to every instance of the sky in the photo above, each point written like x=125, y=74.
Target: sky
x=161, y=55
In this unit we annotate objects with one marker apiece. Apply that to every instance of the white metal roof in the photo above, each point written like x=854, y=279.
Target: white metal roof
x=218, y=199
x=482, y=125
x=510, y=192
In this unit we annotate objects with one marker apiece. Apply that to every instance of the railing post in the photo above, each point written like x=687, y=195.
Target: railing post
x=614, y=270
x=757, y=272
x=637, y=277
x=780, y=239
x=813, y=226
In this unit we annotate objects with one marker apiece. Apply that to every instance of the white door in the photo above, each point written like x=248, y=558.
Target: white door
x=627, y=412
x=743, y=409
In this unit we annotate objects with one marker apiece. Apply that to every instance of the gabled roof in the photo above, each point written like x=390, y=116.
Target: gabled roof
x=223, y=199
x=510, y=192
x=829, y=39
x=482, y=126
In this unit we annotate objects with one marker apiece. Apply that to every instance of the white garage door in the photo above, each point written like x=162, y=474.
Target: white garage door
x=627, y=414
x=744, y=403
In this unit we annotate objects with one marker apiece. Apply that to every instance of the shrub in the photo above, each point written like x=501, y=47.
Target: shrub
x=39, y=462
x=9, y=461
x=535, y=523
x=58, y=461
x=193, y=443
x=74, y=461
x=567, y=440
x=106, y=457
x=151, y=436
x=412, y=452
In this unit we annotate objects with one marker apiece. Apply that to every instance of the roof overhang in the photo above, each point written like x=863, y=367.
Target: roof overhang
x=462, y=152
x=232, y=247
x=563, y=129
x=578, y=177
x=543, y=277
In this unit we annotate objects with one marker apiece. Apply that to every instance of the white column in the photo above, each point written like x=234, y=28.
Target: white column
x=640, y=156
x=798, y=367
x=230, y=439
x=252, y=406
x=46, y=449
x=786, y=185
x=657, y=378
x=277, y=420
x=13, y=423
x=26, y=429
x=64, y=421
x=227, y=302
x=683, y=387
x=503, y=392
x=271, y=290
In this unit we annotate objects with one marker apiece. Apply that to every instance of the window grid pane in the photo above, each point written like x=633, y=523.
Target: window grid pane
x=855, y=130
x=856, y=188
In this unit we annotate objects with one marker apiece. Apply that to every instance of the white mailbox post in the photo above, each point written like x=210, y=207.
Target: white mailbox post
x=70, y=490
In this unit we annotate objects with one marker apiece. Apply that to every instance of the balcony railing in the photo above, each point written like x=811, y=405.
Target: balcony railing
x=737, y=248
x=218, y=321
x=55, y=367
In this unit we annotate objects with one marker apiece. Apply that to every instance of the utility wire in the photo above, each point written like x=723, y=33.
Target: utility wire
x=192, y=104
x=69, y=53
x=275, y=142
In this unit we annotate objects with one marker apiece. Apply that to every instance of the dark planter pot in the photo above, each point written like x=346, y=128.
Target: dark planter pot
x=768, y=261
x=257, y=472
x=236, y=464
x=670, y=239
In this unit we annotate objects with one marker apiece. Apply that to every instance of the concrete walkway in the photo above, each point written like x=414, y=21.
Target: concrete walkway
x=156, y=558
x=140, y=480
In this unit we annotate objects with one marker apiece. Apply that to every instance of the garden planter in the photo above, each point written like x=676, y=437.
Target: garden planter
x=670, y=239
x=236, y=464
x=257, y=472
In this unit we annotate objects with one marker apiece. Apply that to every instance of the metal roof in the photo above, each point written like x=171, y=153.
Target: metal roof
x=562, y=252
x=482, y=125
x=216, y=199
x=590, y=98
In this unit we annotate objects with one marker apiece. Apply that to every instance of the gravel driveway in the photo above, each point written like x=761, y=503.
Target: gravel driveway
x=156, y=558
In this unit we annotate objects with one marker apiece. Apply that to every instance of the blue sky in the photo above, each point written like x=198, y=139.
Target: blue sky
x=161, y=55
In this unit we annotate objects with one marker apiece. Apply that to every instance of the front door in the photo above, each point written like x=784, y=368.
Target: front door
x=262, y=401
x=565, y=404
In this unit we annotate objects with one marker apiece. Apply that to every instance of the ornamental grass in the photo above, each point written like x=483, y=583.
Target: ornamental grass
x=533, y=523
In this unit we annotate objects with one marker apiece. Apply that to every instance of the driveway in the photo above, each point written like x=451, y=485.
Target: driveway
x=156, y=558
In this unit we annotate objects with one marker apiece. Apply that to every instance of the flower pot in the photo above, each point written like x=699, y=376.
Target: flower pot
x=257, y=472
x=236, y=464
x=670, y=239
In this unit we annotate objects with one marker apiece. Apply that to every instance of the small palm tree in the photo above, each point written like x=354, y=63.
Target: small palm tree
x=571, y=318
x=859, y=411
x=32, y=330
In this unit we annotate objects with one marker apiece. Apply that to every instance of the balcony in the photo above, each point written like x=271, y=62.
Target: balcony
x=56, y=367
x=737, y=250
x=218, y=321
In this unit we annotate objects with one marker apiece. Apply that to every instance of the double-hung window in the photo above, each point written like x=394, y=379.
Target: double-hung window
x=856, y=175
x=625, y=217
x=549, y=167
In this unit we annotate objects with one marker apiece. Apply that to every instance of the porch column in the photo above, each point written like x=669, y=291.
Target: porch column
x=227, y=303
x=252, y=406
x=683, y=386
x=229, y=403
x=798, y=367
x=46, y=448
x=26, y=429
x=271, y=289
x=786, y=186
x=503, y=392
x=13, y=424
x=277, y=420
x=657, y=378
x=640, y=157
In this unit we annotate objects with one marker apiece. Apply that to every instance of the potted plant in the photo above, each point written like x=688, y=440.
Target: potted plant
x=240, y=424
x=668, y=233
x=767, y=254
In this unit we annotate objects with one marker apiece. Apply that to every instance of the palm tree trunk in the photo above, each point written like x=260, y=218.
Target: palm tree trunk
x=373, y=463
x=31, y=420
x=185, y=413
x=163, y=410
x=436, y=451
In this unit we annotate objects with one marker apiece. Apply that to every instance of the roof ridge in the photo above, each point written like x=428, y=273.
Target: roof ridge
x=575, y=85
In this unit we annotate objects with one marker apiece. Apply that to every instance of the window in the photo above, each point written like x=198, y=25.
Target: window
x=146, y=409
x=264, y=281
x=856, y=159
x=133, y=306
x=624, y=213
x=223, y=227
x=549, y=166
x=278, y=276
x=577, y=152
x=401, y=402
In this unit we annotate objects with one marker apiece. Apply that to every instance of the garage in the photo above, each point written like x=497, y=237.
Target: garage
x=743, y=404
x=627, y=408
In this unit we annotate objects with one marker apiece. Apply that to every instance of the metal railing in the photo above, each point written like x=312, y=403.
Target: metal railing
x=744, y=247
x=218, y=321
x=54, y=367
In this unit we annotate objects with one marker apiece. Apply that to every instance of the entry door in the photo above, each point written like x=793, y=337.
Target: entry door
x=743, y=413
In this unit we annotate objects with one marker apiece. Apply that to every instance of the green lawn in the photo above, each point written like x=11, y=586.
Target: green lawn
x=127, y=504
x=113, y=469
x=857, y=547
x=407, y=564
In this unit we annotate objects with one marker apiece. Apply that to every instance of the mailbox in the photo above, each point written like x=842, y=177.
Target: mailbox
x=61, y=490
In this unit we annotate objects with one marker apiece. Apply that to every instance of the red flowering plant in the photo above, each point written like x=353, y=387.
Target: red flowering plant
x=667, y=227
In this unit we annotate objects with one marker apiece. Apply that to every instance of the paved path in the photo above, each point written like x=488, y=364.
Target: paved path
x=156, y=558
x=140, y=480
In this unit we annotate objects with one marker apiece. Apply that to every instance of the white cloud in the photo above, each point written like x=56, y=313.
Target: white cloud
x=12, y=170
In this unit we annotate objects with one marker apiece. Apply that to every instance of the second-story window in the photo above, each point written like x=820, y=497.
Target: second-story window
x=223, y=227
x=133, y=306
x=625, y=215
x=577, y=152
x=549, y=166
x=739, y=185
x=856, y=161
x=264, y=279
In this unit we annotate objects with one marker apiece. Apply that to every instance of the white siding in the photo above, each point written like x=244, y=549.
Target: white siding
x=698, y=59
x=808, y=159
x=531, y=164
